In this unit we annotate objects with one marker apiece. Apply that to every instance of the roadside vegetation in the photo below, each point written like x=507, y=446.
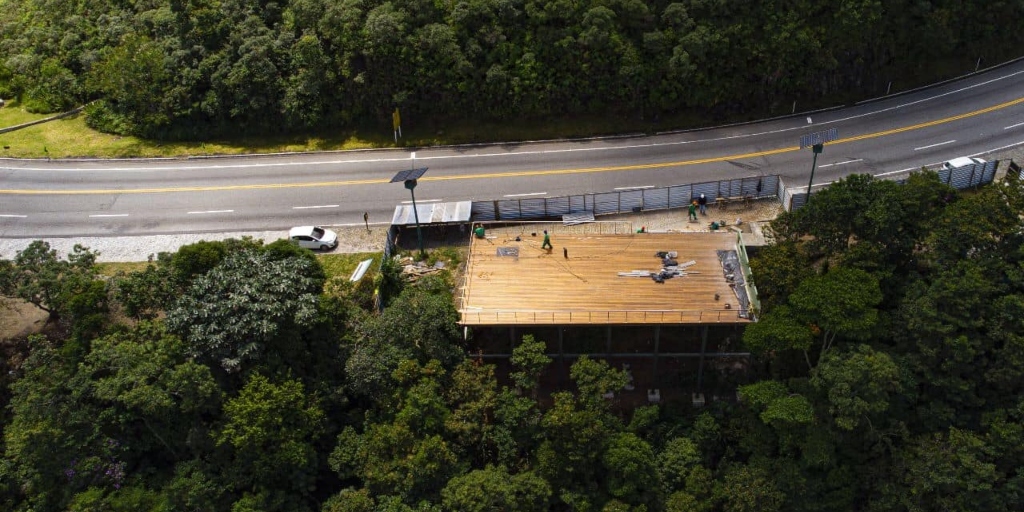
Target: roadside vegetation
x=316, y=74
x=233, y=375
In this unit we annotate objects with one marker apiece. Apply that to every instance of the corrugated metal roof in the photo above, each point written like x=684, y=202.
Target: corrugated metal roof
x=432, y=213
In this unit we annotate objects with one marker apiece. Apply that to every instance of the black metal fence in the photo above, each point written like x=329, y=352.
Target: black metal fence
x=625, y=201
x=968, y=176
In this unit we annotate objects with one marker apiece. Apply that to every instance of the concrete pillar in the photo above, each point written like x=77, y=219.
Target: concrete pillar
x=561, y=358
x=608, y=343
x=657, y=341
x=703, y=350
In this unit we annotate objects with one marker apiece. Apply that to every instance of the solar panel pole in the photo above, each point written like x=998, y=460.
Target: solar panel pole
x=817, y=142
x=411, y=184
x=814, y=163
x=410, y=177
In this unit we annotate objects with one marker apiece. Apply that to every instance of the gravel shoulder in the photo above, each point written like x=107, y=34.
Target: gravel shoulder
x=140, y=248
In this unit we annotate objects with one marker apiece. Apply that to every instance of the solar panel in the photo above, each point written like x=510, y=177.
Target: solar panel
x=813, y=139
x=409, y=174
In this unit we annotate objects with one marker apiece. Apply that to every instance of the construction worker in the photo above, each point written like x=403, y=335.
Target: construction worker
x=693, y=211
x=547, y=241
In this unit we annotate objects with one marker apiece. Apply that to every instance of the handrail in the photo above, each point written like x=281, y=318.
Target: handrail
x=499, y=316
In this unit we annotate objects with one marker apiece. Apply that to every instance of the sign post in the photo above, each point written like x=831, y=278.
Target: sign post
x=396, y=124
x=817, y=142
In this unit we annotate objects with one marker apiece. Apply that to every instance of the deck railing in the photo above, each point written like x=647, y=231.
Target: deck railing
x=602, y=317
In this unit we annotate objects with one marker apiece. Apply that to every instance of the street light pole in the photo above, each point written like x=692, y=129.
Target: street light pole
x=817, y=142
x=409, y=178
x=411, y=184
x=814, y=163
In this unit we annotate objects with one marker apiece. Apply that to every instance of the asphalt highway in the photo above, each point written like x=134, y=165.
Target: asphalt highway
x=975, y=116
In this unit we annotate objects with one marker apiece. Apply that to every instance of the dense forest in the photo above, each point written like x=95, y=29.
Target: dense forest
x=238, y=376
x=195, y=69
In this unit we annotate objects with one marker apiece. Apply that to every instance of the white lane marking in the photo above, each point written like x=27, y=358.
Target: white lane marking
x=211, y=211
x=110, y=215
x=840, y=163
x=421, y=201
x=314, y=207
x=526, y=195
x=633, y=188
x=12, y=216
x=935, y=145
x=901, y=171
x=918, y=168
x=512, y=153
x=1013, y=126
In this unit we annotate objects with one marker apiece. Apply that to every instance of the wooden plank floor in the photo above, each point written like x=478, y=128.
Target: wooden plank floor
x=541, y=287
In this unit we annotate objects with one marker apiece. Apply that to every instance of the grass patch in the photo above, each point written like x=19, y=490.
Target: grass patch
x=335, y=265
x=70, y=138
x=111, y=269
x=451, y=256
x=342, y=265
x=14, y=114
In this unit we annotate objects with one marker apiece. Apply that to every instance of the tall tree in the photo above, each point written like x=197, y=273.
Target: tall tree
x=948, y=471
x=859, y=384
x=271, y=429
x=39, y=276
x=529, y=361
x=249, y=306
x=158, y=399
x=493, y=488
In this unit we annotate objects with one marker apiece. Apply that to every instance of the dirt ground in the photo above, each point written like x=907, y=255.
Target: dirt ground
x=18, y=319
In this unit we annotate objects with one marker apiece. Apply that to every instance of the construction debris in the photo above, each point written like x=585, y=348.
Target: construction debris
x=414, y=271
x=669, y=268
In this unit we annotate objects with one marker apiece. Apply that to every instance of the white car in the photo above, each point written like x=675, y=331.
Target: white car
x=314, y=237
x=963, y=161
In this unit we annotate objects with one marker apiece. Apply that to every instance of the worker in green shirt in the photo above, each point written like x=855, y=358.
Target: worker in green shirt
x=547, y=241
x=479, y=231
x=693, y=211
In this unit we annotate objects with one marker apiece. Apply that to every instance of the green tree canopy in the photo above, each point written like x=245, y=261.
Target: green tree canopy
x=493, y=488
x=271, y=429
x=39, y=276
x=246, y=306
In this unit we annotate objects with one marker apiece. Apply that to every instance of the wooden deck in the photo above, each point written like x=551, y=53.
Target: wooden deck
x=541, y=287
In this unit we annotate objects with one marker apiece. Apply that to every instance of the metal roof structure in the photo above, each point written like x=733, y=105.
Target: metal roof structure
x=433, y=213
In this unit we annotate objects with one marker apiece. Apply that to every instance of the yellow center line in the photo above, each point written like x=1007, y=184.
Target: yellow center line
x=516, y=174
